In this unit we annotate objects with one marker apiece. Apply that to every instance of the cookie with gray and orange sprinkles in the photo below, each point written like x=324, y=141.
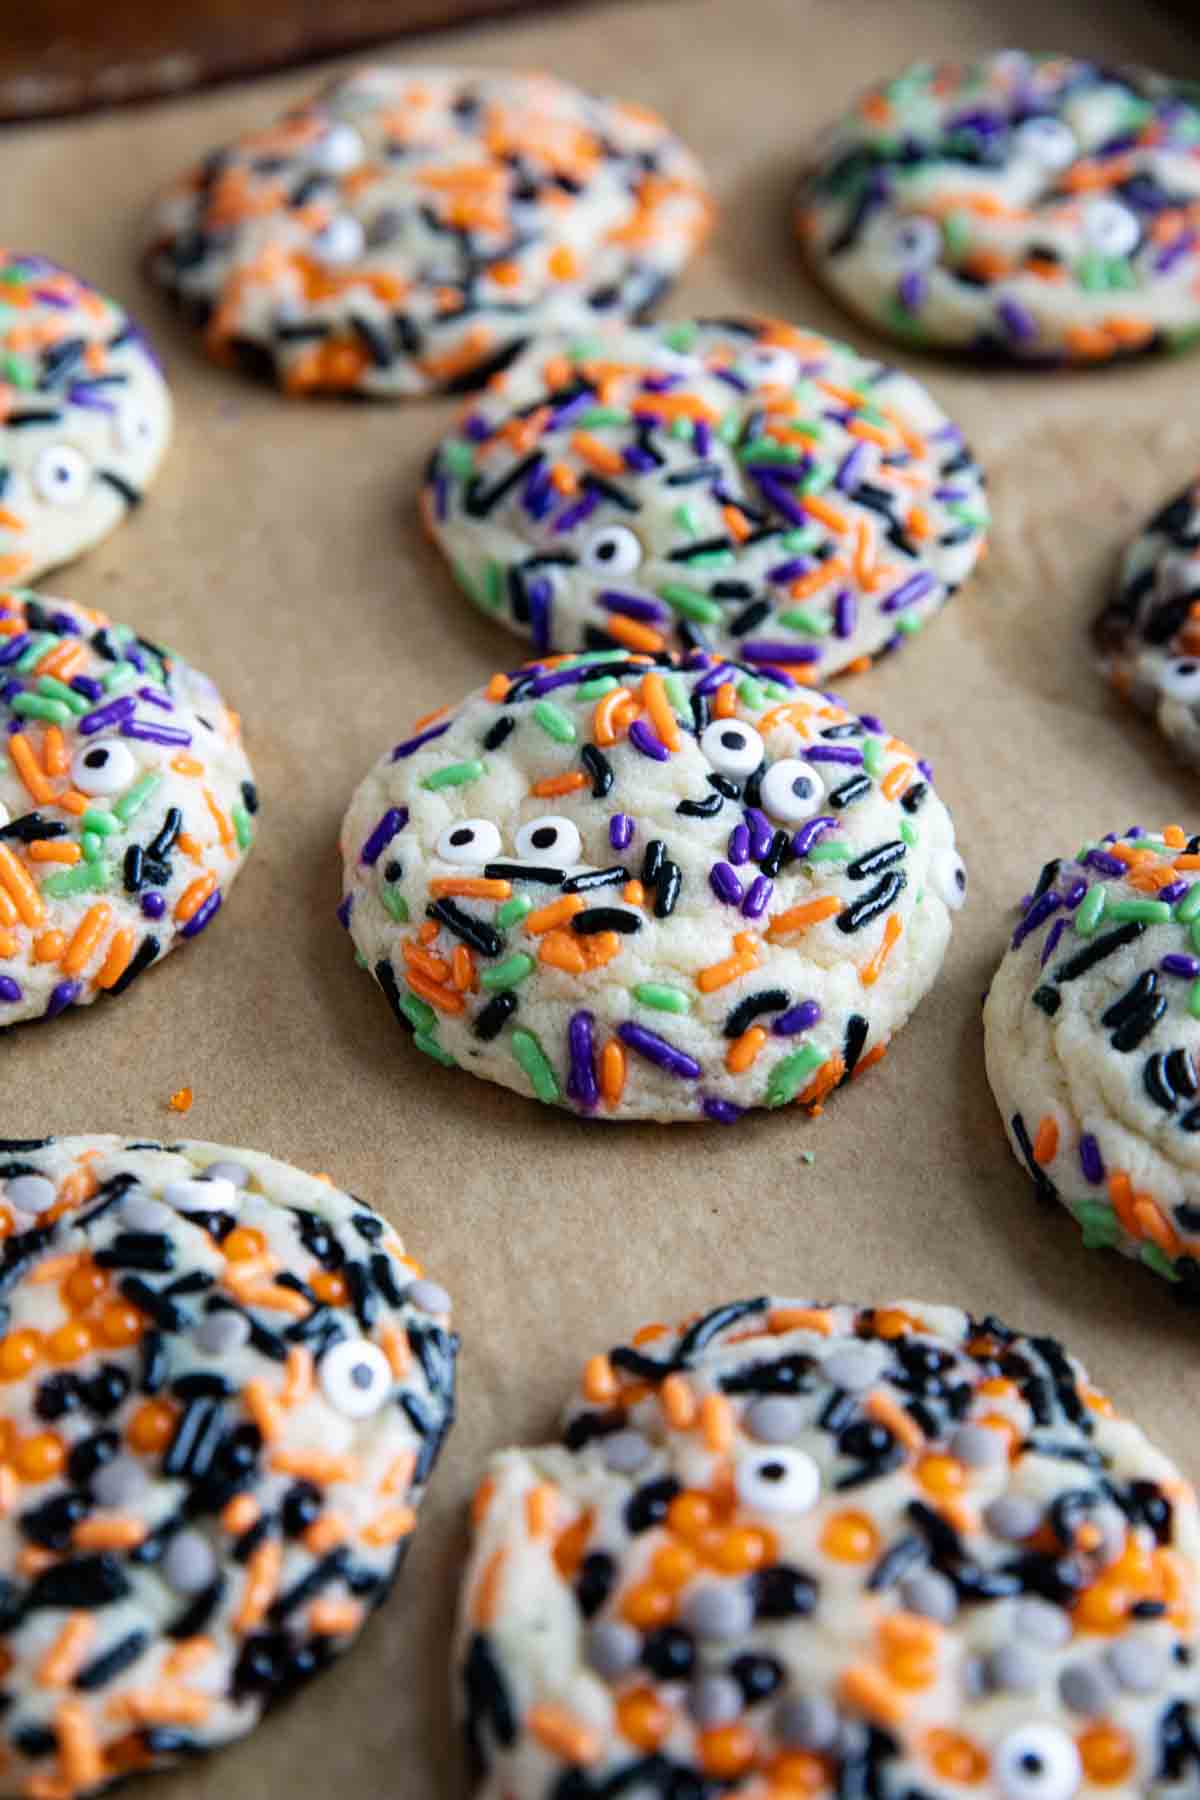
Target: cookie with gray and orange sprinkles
x=126, y=805
x=225, y=1387
x=85, y=415
x=740, y=485
x=1093, y=1045
x=409, y=230
x=794, y=1549
x=1032, y=208
x=652, y=888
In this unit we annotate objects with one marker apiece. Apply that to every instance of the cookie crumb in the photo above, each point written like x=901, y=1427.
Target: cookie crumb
x=181, y=1100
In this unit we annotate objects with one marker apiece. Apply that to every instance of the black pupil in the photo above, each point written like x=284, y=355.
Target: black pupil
x=95, y=759
x=960, y=878
x=1185, y=668
x=361, y=1376
x=773, y=1471
x=464, y=835
x=1031, y=1763
x=544, y=838
x=606, y=549
x=802, y=787
x=732, y=740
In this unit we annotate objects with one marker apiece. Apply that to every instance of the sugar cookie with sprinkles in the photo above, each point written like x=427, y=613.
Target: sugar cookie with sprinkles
x=126, y=805
x=1093, y=1045
x=1031, y=208
x=85, y=416
x=1149, y=634
x=652, y=889
x=226, y=1385
x=740, y=485
x=795, y=1549
x=408, y=230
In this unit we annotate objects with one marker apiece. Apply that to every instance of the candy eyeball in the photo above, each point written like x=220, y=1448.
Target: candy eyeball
x=613, y=550
x=341, y=241
x=1047, y=142
x=914, y=243
x=1180, y=680
x=1037, y=1762
x=791, y=791
x=133, y=429
x=1109, y=227
x=770, y=366
x=551, y=836
x=948, y=878
x=104, y=766
x=61, y=475
x=732, y=748
x=356, y=1377
x=338, y=150
x=472, y=842
x=778, y=1481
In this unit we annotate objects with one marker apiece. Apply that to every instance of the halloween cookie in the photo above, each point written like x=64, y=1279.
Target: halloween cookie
x=408, y=230
x=85, y=420
x=818, y=1549
x=126, y=805
x=225, y=1388
x=1028, y=207
x=1149, y=634
x=739, y=485
x=644, y=889
x=1093, y=1045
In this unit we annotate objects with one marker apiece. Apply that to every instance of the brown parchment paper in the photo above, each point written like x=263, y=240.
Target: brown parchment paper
x=279, y=551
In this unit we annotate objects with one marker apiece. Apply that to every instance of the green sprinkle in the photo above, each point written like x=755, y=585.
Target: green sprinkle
x=58, y=690
x=528, y=1053
x=394, y=904
x=583, y=348
x=662, y=998
x=493, y=586
x=872, y=755
x=1194, y=934
x=680, y=337
x=956, y=232
x=677, y=694
x=593, y=656
x=1146, y=912
x=729, y=428
x=431, y=1047
x=831, y=852
x=1156, y=1259
x=459, y=458
x=790, y=1075
x=592, y=690
x=775, y=690
x=555, y=722
x=690, y=602
x=34, y=652
x=712, y=559
x=102, y=823
x=487, y=592
x=92, y=845
x=750, y=693
x=977, y=519
x=508, y=973
x=1091, y=272
x=817, y=478
x=685, y=518
x=909, y=623
x=122, y=677
x=1091, y=910
x=512, y=911
x=1194, y=1000
x=84, y=878
x=908, y=832
x=808, y=1158
x=800, y=618
x=766, y=450
x=33, y=706
x=18, y=371
x=681, y=428
x=454, y=775
x=140, y=792
x=243, y=829
x=418, y=1012
x=804, y=537
x=1099, y=1225
x=604, y=415
x=1189, y=906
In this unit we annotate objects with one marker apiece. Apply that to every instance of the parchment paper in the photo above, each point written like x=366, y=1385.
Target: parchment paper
x=279, y=550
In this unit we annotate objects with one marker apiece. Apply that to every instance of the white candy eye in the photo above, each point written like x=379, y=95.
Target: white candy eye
x=338, y=151
x=791, y=790
x=342, y=240
x=770, y=366
x=778, y=1481
x=948, y=878
x=61, y=475
x=472, y=841
x=132, y=428
x=914, y=243
x=1180, y=680
x=551, y=838
x=1110, y=227
x=1037, y=1762
x=104, y=766
x=615, y=550
x=732, y=749
x=356, y=1377
x=1046, y=141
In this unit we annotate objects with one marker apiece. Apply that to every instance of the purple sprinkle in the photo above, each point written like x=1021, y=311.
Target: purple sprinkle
x=441, y=495
x=835, y=753
x=153, y=906
x=154, y=734
x=9, y=991
x=1090, y=1159
x=715, y=677
x=633, y=606
x=540, y=595
x=756, y=901
x=761, y=834
x=775, y=650
x=393, y=820
x=1104, y=865
x=65, y=625
x=639, y=460
x=702, y=437
x=657, y=1050
x=64, y=995
x=476, y=429
x=789, y=571
x=562, y=415
x=776, y=494
x=1175, y=890
x=950, y=493
x=804, y=839
x=722, y=1112
x=620, y=831
x=796, y=1019
x=725, y=884
x=731, y=380
x=1051, y=943
x=924, y=768
x=872, y=721
x=84, y=393
x=412, y=744
x=1037, y=915
x=790, y=474
x=738, y=849
x=1017, y=321
x=1075, y=893
x=557, y=678
x=132, y=654
x=911, y=290
x=15, y=648
x=574, y=515
x=156, y=697
x=648, y=742
x=909, y=592
x=581, y=1077
x=660, y=384
x=204, y=916
x=345, y=907
x=112, y=714
x=850, y=469
x=1177, y=964
x=91, y=690
x=1174, y=251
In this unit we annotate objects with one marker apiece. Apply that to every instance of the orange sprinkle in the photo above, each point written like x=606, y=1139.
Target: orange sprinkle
x=54, y=850
x=186, y=765
x=181, y=1100
x=78, y=1746
x=554, y=785
x=736, y=523
x=20, y=888
x=562, y=1734
x=241, y=1513
x=67, y=1653
x=870, y=1692
x=264, y=1409
x=152, y=1426
x=716, y=1423
x=188, y=1656
x=485, y=1602
x=870, y=972
x=612, y=1072
x=743, y=1050
x=470, y=887
x=1045, y=1144
x=334, y=1618
x=394, y=1344
x=390, y=1526
x=558, y=912
x=29, y=769
x=600, y=1384
x=87, y=936
x=634, y=636
x=120, y=954
x=298, y=1376
x=166, y=1703
x=194, y=896
x=316, y=1466
x=108, y=1534
x=832, y=516
x=678, y=1402
x=654, y=699
x=1173, y=836
x=724, y=702
x=599, y=456
x=262, y=1580
x=743, y=960
x=881, y=1407
x=896, y=780
x=850, y=1537
x=802, y=917
x=541, y=1509
x=606, y=723
x=800, y=1318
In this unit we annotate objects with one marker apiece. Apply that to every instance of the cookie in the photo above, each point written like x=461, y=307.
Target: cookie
x=795, y=1549
x=737, y=485
x=409, y=230
x=1093, y=1045
x=1149, y=635
x=226, y=1387
x=126, y=805
x=84, y=421
x=1032, y=208
x=647, y=889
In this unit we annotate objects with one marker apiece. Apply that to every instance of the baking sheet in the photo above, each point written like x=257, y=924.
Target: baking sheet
x=279, y=550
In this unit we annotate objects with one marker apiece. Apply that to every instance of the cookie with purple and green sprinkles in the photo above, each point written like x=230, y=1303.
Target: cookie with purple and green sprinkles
x=1093, y=1045
x=792, y=1549
x=126, y=805
x=226, y=1385
x=736, y=485
x=644, y=888
x=409, y=230
x=1032, y=208
x=1148, y=635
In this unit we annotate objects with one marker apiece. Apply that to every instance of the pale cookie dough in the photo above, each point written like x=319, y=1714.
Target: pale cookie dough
x=740, y=485
x=1149, y=634
x=409, y=230
x=1093, y=1045
x=648, y=890
x=85, y=416
x=1032, y=208
x=792, y=1549
x=126, y=805
x=224, y=1388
